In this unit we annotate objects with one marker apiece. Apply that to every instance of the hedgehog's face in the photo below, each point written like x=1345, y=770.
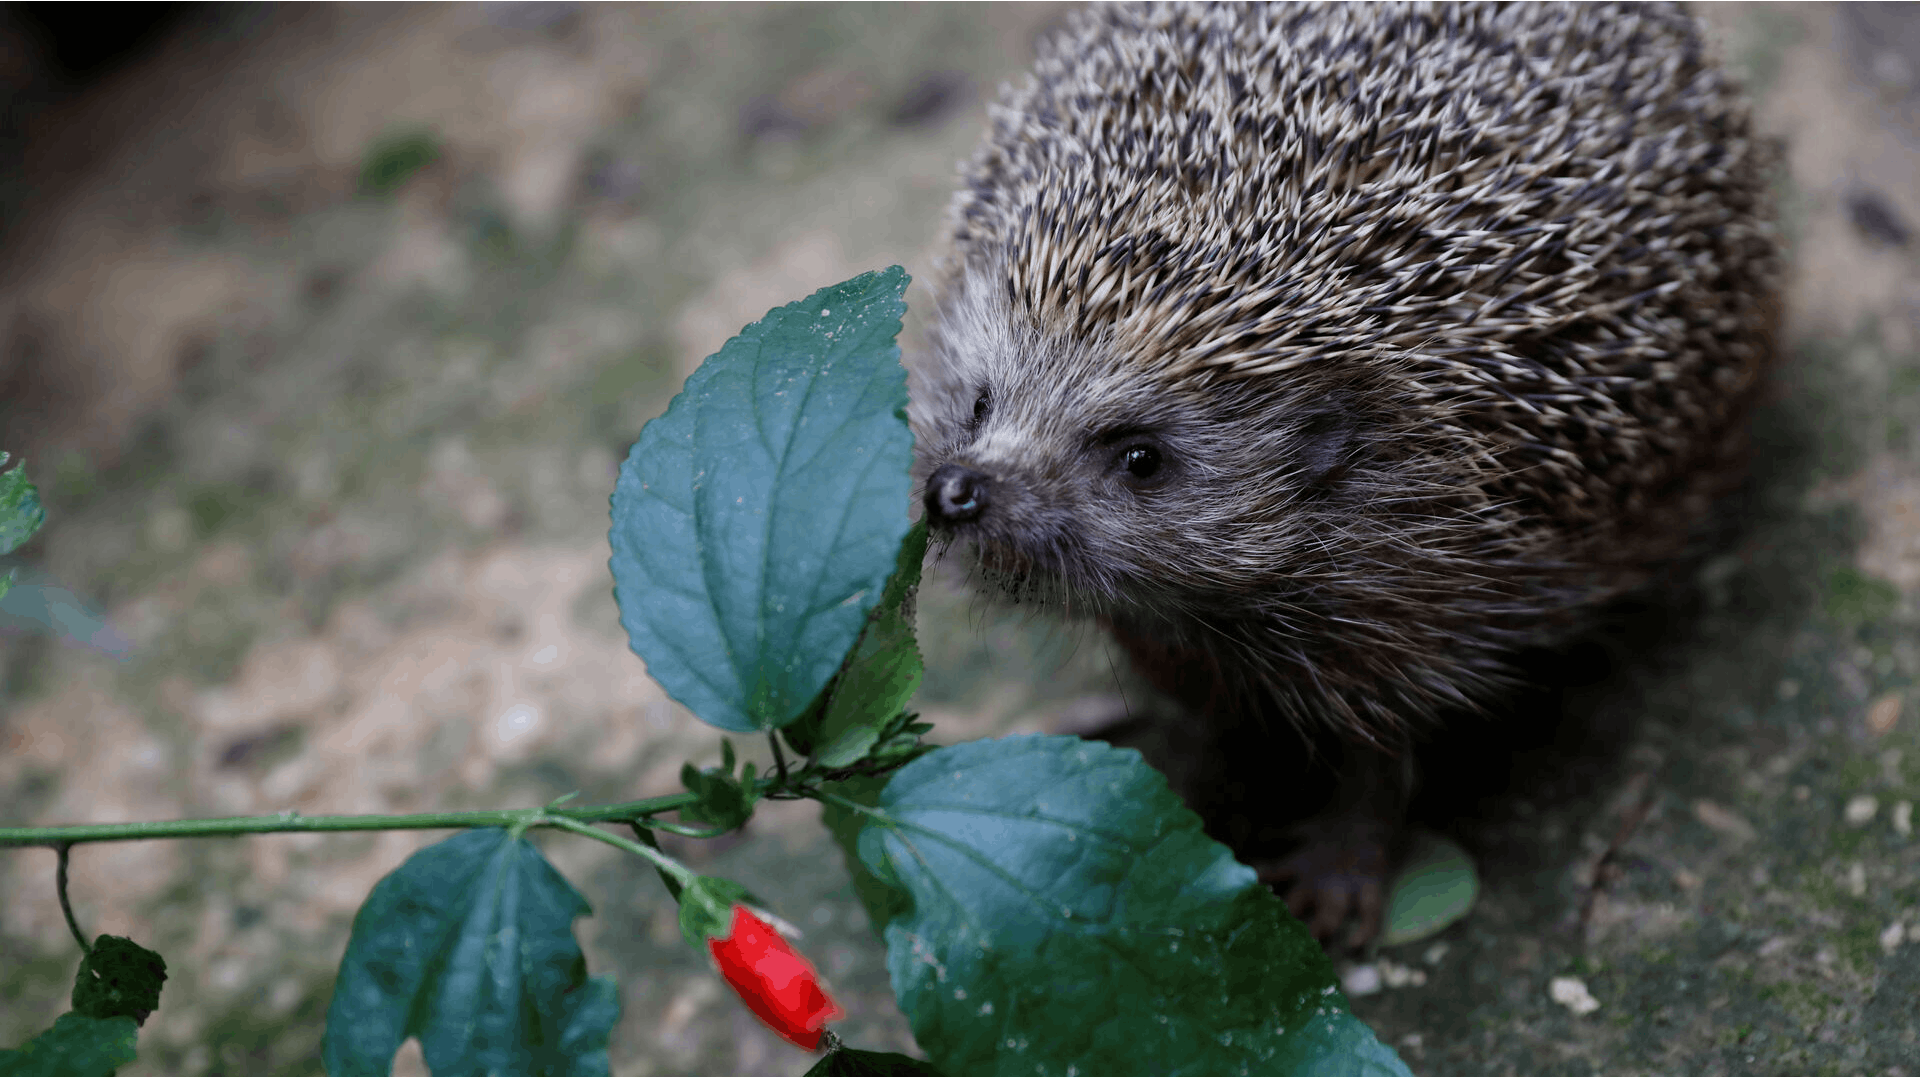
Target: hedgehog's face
x=1078, y=478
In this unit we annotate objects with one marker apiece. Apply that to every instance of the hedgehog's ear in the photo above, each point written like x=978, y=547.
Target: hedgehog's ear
x=1327, y=445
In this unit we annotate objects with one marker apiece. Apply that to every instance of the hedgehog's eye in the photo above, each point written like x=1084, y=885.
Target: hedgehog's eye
x=1141, y=461
x=982, y=407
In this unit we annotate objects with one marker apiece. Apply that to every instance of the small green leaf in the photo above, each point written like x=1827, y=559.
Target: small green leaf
x=706, y=909
x=881, y=674
x=757, y=521
x=76, y=1046
x=1436, y=887
x=21, y=513
x=724, y=800
x=900, y=741
x=119, y=978
x=1052, y=878
x=393, y=160
x=468, y=947
x=847, y=1062
x=38, y=603
x=1854, y=597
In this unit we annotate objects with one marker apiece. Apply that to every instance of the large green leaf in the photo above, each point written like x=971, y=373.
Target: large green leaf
x=469, y=947
x=76, y=1046
x=1069, y=916
x=755, y=523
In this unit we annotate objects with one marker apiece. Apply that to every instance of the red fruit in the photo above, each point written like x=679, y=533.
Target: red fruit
x=777, y=984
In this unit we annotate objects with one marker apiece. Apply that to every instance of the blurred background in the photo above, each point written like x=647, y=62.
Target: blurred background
x=323, y=330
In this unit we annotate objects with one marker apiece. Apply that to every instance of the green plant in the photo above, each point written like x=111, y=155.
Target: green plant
x=1048, y=905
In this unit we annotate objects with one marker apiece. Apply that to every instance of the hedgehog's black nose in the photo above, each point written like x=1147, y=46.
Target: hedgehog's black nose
x=956, y=494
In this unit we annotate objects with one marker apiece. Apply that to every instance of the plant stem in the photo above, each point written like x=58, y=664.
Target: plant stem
x=877, y=814
x=647, y=839
x=66, y=903
x=779, y=757
x=667, y=865
x=294, y=822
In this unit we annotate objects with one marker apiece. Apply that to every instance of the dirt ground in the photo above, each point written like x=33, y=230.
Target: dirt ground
x=327, y=474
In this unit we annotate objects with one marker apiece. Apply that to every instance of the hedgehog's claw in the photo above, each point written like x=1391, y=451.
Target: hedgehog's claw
x=1337, y=876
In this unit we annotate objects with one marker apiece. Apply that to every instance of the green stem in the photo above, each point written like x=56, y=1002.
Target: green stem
x=66, y=903
x=779, y=757
x=825, y=797
x=702, y=832
x=292, y=822
x=667, y=865
x=647, y=839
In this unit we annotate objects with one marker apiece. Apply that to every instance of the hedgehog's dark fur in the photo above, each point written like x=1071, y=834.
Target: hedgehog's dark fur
x=1440, y=320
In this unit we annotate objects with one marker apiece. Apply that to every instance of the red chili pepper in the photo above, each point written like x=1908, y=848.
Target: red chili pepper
x=777, y=984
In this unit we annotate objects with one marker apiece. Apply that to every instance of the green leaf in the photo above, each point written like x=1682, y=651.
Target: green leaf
x=706, y=909
x=21, y=513
x=76, y=1046
x=1068, y=915
x=756, y=522
x=1436, y=886
x=392, y=161
x=900, y=741
x=38, y=603
x=725, y=801
x=1854, y=597
x=119, y=978
x=468, y=946
x=881, y=674
x=847, y=1062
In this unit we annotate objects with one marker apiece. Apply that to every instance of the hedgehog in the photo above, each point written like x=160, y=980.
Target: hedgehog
x=1329, y=356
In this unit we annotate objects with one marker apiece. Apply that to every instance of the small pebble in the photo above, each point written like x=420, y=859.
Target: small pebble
x=1573, y=994
x=1861, y=809
x=1359, y=981
x=1893, y=936
x=1884, y=714
x=1903, y=818
x=1435, y=953
x=1724, y=820
x=1892, y=71
x=1397, y=975
x=1857, y=879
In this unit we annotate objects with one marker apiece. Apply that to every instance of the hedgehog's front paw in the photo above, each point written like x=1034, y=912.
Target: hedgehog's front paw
x=1337, y=875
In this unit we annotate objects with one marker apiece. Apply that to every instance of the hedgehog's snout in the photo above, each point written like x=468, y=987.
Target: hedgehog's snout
x=956, y=495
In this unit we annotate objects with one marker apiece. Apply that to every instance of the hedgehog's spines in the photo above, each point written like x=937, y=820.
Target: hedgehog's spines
x=1519, y=254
